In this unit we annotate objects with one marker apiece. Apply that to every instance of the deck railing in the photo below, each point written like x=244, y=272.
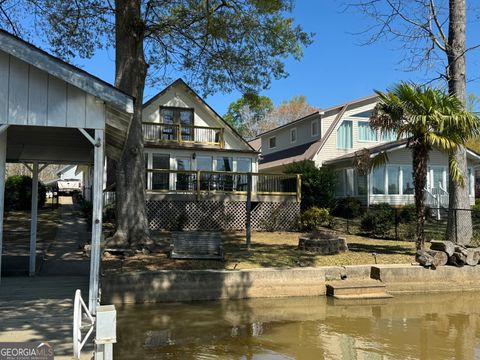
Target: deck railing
x=183, y=134
x=198, y=182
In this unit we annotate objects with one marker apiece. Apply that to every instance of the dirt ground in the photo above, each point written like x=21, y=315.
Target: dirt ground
x=278, y=249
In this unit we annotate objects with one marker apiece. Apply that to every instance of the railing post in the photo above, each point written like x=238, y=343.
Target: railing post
x=198, y=184
x=396, y=223
x=248, y=223
x=179, y=133
x=299, y=188
x=222, y=139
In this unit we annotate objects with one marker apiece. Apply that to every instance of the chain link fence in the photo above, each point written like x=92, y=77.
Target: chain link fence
x=400, y=223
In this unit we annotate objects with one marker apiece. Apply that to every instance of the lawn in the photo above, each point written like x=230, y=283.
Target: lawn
x=277, y=249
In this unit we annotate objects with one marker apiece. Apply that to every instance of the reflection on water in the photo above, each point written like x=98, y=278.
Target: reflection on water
x=433, y=326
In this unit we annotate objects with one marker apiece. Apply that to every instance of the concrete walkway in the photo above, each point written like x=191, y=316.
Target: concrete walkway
x=64, y=255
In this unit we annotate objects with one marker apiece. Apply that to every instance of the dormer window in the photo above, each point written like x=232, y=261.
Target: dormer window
x=272, y=142
x=175, y=120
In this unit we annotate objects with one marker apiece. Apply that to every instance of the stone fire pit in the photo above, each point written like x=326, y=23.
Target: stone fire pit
x=322, y=242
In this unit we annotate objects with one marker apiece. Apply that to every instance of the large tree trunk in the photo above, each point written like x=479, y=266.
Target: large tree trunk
x=130, y=74
x=420, y=158
x=459, y=227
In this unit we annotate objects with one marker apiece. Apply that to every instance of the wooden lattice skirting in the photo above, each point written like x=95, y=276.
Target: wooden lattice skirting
x=220, y=215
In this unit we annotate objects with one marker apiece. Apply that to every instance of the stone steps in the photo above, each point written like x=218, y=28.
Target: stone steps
x=357, y=289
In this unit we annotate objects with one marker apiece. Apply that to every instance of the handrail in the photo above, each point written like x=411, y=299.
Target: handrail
x=182, y=125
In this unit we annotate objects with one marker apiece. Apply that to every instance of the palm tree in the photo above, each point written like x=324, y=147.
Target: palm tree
x=429, y=118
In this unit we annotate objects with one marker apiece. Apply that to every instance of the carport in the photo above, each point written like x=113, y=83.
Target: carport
x=54, y=113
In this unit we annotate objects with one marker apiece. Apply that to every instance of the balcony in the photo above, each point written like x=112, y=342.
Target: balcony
x=201, y=183
x=184, y=135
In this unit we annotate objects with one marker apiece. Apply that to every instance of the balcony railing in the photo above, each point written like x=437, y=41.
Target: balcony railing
x=201, y=182
x=183, y=134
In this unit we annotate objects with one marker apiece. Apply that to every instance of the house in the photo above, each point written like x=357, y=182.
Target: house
x=198, y=166
x=335, y=136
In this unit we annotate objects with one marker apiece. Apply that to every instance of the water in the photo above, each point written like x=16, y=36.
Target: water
x=433, y=326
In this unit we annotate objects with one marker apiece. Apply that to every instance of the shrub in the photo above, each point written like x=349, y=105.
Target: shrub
x=378, y=220
x=476, y=209
x=407, y=214
x=318, y=184
x=315, y=217
x=348, y=207
x=18, y=193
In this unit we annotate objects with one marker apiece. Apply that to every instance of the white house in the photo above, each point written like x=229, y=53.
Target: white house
x=333, y=137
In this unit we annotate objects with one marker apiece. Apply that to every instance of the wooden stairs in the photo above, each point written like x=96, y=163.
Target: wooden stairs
x=357, y=289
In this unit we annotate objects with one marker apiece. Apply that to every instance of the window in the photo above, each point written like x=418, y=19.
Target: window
x=183, y=178
x=160, y=180
x=222, y=181
x=293, y=135
x=344, y=135
x=314, y=127
x=361, y=183
x=471, y=182
x=378, y=181
x=407, y=180
x=244, y=165
x=393, y=178
x=171, y=117
x=365, y=132
x=350, y=182
x=272, y=142
x=224, y=163
x=205, y=163
x=437, y=177
x=340, y=183
x=389, y=135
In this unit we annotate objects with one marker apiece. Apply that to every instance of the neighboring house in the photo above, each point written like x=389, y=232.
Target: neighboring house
x=333, y=137
x=197, y=169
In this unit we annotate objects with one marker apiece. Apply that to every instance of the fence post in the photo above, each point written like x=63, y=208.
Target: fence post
x=248, y=224
x=396, y=223
x=456, y=230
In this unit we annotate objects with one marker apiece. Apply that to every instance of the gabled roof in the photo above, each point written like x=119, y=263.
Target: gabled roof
x=42, y=60
x=198, y=98
x=311, y=149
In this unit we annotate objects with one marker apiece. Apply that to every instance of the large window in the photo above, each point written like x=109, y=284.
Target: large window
x=184, y=179
x=314, y=127
x=389, y=135
x=340, y=183
x=365, y=132
x=361, y=183
x=378, y=180
x=407, y=180
x=171, y=118
x=344, y=135
x=160, y=180
x=393, y=178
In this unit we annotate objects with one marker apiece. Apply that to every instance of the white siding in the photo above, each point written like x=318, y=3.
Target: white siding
x=177, y=97
x=32, y=97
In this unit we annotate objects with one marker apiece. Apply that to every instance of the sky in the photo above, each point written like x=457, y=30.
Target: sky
x=335, y=67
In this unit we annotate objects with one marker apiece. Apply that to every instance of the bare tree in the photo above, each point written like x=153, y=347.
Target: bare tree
x=432, y=36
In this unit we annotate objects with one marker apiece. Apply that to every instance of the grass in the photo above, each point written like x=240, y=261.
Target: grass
x=277, y=249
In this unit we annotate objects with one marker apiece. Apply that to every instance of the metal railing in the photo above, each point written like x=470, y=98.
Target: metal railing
x=183, y=134
x=197, y=182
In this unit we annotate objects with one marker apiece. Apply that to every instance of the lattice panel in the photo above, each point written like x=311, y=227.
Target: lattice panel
x=220, y=215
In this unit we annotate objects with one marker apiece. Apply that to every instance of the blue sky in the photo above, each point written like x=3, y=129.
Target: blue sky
x=334, y=69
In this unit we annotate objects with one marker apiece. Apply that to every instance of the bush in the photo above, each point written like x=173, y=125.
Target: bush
x=378, y=220
x=315, y=217
x=318, y=184
x=476, y=209
x=18, y=193
x=407, y=214
x=348, y=208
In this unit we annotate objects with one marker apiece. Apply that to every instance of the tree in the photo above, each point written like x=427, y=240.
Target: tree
x=318, y=184
x=247, y=114
x=430, y=119
x=218, y=45
x=421, y=28
x=290, y=110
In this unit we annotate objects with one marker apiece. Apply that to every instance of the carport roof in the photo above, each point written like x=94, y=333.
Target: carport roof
x=118, y=105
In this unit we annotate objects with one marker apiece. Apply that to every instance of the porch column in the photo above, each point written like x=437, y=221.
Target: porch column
x=3, y=155
x=33, y=223
x=97, y=205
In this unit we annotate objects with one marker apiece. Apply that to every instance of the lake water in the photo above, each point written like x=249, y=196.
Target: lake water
x=433, y=326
